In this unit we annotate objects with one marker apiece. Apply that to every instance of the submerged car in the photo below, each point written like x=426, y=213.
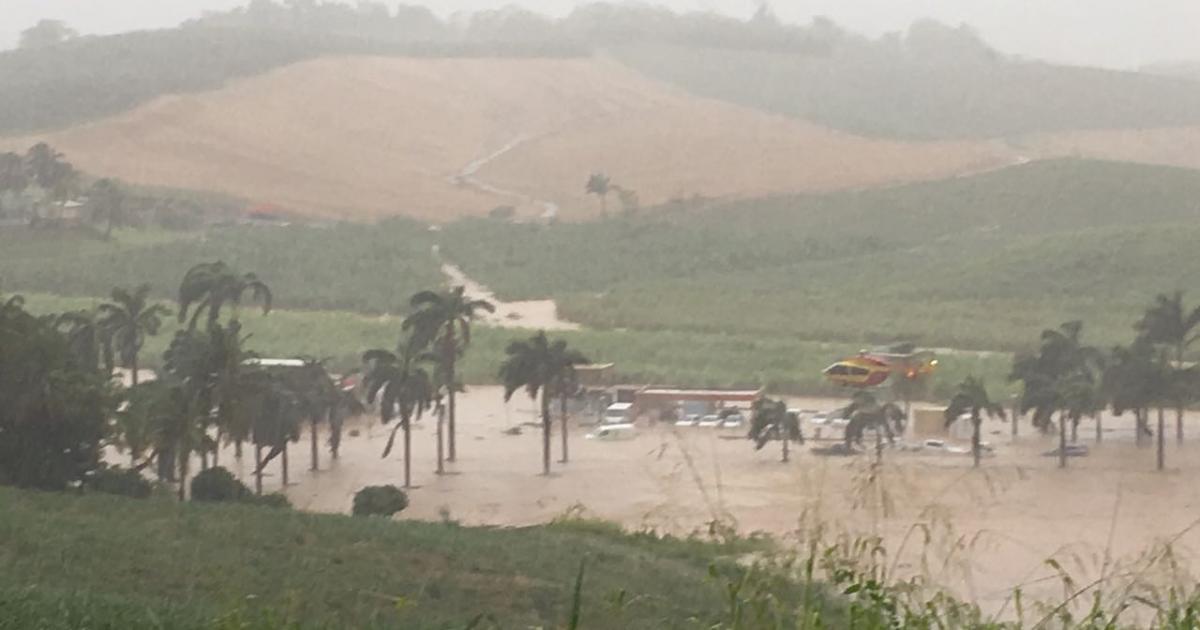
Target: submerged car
x=1073, y=450
x=613, y=432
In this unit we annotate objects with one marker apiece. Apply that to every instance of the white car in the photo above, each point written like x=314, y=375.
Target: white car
x=710, y=421
x=689, y=420
x=733, y=421
x=609, y=432
x=819, y=419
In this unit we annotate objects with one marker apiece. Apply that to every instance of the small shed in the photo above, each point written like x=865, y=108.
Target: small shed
x=596, y=375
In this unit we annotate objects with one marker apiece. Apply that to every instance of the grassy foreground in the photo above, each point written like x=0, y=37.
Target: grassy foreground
x=109, y=562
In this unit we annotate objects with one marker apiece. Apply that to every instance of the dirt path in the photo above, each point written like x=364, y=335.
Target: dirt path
x=468, y=177
x=531, y=314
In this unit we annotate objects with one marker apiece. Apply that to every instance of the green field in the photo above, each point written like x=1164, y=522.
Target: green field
x=688, y=359
x=688, y=295
x=366, y=268
x=923, y=90
x=984, y=262
x=104, y=562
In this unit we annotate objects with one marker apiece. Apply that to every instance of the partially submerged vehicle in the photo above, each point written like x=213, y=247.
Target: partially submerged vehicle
x=1073, y=450
x=613, y=432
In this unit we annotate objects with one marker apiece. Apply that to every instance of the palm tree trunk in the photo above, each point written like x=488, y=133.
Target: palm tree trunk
x=217, y=448
x=441, y=418
x=783, y=434
x=312, y=435
x=336, y=421
x=976, y=421
x=1162, y=455
x=183, y=472
x=1098, y=417
x=1016, y=418
x=545, y=433
x=1062, y=440
x=879, y=444
x=452, y=453
x=284, y=462
x=563, y=418
x=133, y=365
x=1139, y=416
x=1179, y=404
x=203, y=458
x=258, y=472
x=237, y=449
x=1074, y=430
x=407, y=428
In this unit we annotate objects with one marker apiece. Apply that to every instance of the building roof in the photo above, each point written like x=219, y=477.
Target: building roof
x=702, y=394
x=275, y=362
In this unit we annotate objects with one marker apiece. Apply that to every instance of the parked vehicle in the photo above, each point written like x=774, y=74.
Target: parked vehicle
x=733, y=421
x=618, y=413
x=710, y=421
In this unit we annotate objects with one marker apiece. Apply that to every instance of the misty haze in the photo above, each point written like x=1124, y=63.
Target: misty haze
x=567, y=314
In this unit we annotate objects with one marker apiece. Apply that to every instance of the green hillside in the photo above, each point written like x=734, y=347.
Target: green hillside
x=940, y=90
x=982, y=262
x=102, y=562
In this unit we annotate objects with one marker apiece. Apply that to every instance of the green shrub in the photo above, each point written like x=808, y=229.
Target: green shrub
x=379, y=501
x=218, y=484
x=120, y=481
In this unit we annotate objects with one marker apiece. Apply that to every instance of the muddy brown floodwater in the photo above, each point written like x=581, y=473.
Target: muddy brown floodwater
x=990, y=529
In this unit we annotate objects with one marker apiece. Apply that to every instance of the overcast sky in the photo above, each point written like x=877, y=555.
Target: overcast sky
x=1113, y=33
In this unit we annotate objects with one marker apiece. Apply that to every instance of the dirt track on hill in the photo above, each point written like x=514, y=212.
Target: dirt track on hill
x=363, y=138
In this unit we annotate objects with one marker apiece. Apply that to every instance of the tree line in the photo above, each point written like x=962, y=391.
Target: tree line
x=60, y=407
x=37, y=186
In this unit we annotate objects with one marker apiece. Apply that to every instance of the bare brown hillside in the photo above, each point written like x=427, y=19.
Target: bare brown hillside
x=364, y=138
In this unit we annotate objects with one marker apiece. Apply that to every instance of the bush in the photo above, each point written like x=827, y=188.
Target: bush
x=218, y=484
x=120, y=481
x=379, y=501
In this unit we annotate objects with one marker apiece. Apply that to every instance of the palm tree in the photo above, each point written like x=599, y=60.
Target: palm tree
x=86, y=339
x=538, y=365
x=128, y=320
x=1061, y=378
x=771, y=420
x=600, y=185
x=190, y=364
x=972, y=397
x=211, y=286
x=444, y=319
x=406, y=388
x=1168, y=323
x=276, y=422
x=865, y=412
x=141, y=424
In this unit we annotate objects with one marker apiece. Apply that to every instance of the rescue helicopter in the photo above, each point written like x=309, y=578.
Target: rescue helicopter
x=873, y=368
